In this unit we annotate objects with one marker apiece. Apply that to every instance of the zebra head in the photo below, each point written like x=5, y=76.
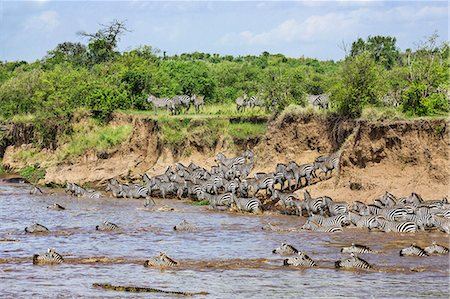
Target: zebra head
x=307, y=195
x=413, y=249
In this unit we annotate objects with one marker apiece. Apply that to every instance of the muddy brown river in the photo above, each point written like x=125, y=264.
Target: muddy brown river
x=229, y=256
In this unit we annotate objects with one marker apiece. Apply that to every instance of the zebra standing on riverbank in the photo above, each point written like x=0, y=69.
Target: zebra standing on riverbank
x=241, y=103
x=161, y=103
x=328, y=163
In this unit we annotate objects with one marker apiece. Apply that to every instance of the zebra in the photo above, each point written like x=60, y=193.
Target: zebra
x=106, y=225
x=163, y=260
x=442, y=223
x=414, y=199
x=321, y=101
x=358, y=206
x=327, y=163
x=284, y=198
x=241, y=103
x=229, y=162
x=436, y=248
x=133, y=191
x=36, y=228
x=369, y=221
x=56, y=207
x=244, y=169
x=338, y=220
x=36, y=191
x=357, y=248
x=282, y=175
x=80, y=191
x=185, y=226
x=198, y=101
x=262, y=181
x=388, y=200
x=51, y=257
x=184, y=101
x=393, y=214
x=256, y=102
x=353, y=262
x=413, y=250
x=161, y=103
x=335, y=208
x=232, y=186
x=399, y=227
x=301, y=171
x=225, y=199
x=312, y=205
x=252, y=205
x=114, y=186
x=313, y=226
x=422, y=220
x=285, y=249
x=301, y=259
x=149, y=203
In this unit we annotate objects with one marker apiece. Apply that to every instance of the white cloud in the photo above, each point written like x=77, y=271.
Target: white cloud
x=315, y=27
x=46, y=21
x=337, y=25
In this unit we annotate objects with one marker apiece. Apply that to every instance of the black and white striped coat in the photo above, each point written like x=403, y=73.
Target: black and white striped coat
x=49, y=258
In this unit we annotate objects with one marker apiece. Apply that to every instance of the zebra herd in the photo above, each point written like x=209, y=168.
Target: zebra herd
x=177, y=103
x=243, y=103
x=301, y=259
x=387, y=213
x=228, y=185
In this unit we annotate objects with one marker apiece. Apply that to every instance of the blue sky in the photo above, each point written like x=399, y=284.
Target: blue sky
x=28, y=29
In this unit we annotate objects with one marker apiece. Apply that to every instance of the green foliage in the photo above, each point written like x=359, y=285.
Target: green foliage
x=2, y=169
x=245, y=130
x=87, y=136
x=359, y=84
x=381, y=48
x=33, y=173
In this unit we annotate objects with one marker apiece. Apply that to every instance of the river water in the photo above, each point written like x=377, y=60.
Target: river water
x=229, y=256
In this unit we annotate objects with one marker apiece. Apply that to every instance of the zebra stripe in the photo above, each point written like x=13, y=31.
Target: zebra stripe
x=398, y=227
x=252, y=205
x=353, y=262
x=36, y=228
x=285, y=249
x=106, y=225
x=413, y=250
x=163, y=260
x=300, y=260
x=185, y=226
x=51, y=257
x=357, y=248
x=436, y=248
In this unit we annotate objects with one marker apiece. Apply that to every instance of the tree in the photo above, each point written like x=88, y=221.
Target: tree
x=381, y=48
x=359, y=84
x=428, y=76
x=103, y=43
x=75, y=53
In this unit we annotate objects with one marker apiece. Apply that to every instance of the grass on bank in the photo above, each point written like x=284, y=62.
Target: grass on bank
x=92, y=136
x=223, y=110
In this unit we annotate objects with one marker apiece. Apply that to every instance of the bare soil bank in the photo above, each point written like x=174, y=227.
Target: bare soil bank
x=396, y=156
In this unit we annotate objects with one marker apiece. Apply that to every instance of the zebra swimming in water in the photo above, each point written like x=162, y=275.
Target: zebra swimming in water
x=436, y=248
x=56, y=207
x=106, y=226
x=49, y=258
x=185, y=226
x=163, y=260
x=353, y=262
x=285, y=249
x=36, y=228
x=413, y=250
x=301, y=259
x=357, y=248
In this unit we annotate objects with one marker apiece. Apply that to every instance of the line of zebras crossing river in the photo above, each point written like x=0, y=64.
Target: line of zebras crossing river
x=228, y=185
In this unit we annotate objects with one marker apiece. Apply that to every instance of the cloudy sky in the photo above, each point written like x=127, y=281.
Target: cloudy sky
x=28, y=29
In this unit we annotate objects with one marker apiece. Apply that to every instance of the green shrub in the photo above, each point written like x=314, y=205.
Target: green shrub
x=33, y=173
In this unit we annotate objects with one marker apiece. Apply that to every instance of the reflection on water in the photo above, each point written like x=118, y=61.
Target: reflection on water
x=228, y=256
